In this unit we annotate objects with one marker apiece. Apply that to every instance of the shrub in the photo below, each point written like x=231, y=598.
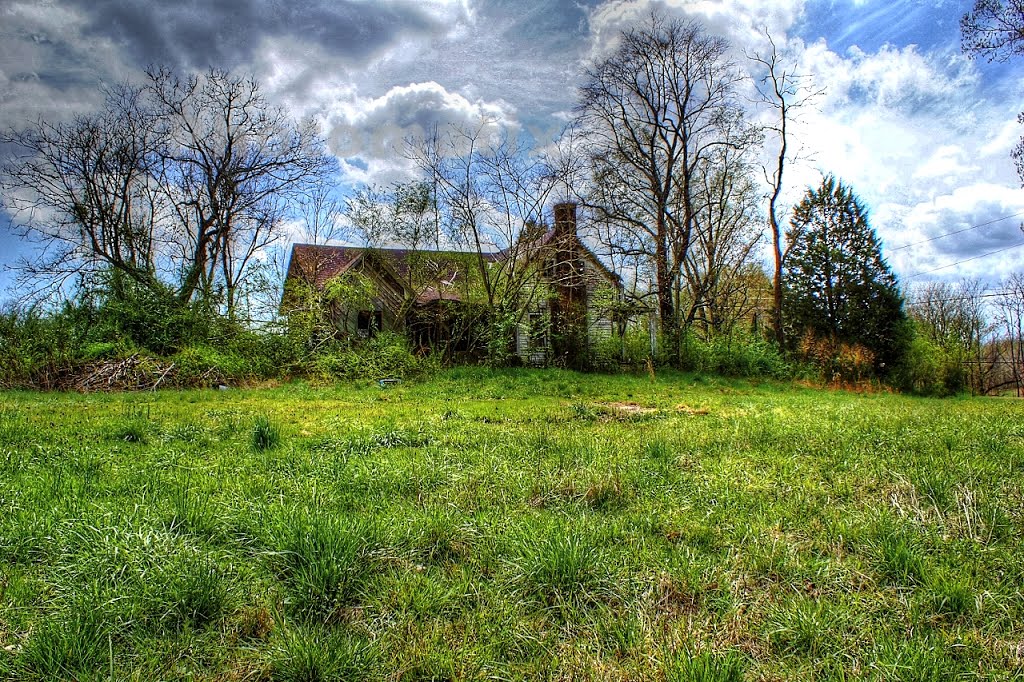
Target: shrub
x=929, y=369
x=386, y=355
x=267, y=353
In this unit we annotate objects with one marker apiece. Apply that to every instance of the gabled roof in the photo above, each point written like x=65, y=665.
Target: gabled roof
x=546, y=240
x=318, y=264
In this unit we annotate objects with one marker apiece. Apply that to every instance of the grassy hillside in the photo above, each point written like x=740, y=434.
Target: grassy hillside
x=511, y=525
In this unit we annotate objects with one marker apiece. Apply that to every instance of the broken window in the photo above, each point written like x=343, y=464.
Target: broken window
x=538, y=331
x=369, y=322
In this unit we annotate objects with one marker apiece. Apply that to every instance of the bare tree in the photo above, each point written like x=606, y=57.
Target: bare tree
x=402, y=216
x=726, y=232
x=83, y=191
x=785, y=92
x=490, y=191
x=653, y=112
x=227, y=159
x=995, y=29
x=322, y=213
x=1010, y=349
x=490, y=188
x=177, y=184
x=953, y=317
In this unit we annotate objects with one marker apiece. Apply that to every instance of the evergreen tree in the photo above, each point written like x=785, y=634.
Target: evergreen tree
x=836, y=283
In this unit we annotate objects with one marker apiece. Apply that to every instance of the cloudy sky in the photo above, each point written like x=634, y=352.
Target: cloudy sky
x=919, y=131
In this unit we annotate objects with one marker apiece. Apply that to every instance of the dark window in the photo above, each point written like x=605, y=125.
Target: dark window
x=538, y=331
x=370, y=322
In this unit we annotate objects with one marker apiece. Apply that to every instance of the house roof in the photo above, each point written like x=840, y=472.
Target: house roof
x=318, y=264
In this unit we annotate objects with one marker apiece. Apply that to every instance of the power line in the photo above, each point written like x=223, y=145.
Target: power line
x=924, y=301
x=960, y=231
x=966, y=260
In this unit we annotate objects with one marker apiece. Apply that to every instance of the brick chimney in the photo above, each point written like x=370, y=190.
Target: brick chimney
x=565, y=219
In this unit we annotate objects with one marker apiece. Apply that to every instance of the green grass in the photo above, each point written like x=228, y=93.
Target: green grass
x=511, y=525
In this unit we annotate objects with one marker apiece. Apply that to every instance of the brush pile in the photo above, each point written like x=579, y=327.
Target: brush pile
x=133, y=373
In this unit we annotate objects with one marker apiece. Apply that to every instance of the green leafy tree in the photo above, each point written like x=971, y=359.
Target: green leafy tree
x=836, y=284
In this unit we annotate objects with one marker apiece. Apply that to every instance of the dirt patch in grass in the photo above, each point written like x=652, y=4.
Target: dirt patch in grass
x=629, y=408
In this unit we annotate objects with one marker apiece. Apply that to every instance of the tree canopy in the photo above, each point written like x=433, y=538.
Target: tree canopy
x=836, y=283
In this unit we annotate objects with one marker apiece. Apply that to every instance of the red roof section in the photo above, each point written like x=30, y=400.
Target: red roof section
x=318, y=264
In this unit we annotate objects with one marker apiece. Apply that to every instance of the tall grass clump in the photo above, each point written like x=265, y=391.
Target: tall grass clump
x=266, y=435
x=948, y=598
x=803, y=627
x=315, y=655
x=134, y=426
x=564, y=567
x=442, y=537
x=899, y=558
x=70, y=645
x=195, y=593
x=326, y=563
x=707, y=666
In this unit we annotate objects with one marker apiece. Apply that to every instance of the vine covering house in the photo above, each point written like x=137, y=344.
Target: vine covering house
x=553, y=301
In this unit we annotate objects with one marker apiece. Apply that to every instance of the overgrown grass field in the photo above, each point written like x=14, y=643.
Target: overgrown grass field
x=511, y=525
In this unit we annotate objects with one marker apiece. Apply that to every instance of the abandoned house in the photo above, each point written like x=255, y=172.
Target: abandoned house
x=557, y=296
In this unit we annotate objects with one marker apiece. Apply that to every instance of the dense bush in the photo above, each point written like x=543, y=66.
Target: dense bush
x=928, y=368
x=56, y=349
x=35, y=349
x=836, y=361
x=632, y=349
x=202, y=365
x=737, y=355
x=386, y=355
x=53, y=349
